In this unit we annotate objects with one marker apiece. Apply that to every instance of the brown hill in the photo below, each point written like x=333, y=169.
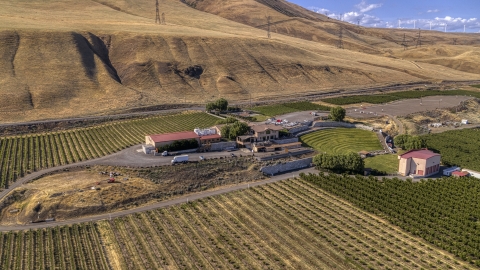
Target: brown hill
x=61, y=58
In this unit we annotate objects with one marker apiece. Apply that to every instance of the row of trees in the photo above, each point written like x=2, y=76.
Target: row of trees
x=409, y=142
x=220, y=104
x=351, y=162
x=179, y=145
x=232, y=131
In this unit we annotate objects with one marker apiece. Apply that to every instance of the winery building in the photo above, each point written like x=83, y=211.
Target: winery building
x=419, y=163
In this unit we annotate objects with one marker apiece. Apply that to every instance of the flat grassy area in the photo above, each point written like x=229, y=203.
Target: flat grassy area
x=341, y=140
x=384, y=98
x=278, y=109
x=476, y=85
x=383, y=163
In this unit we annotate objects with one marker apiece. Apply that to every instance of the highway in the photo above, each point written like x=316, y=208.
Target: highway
x=162, y=204
x=314, y=94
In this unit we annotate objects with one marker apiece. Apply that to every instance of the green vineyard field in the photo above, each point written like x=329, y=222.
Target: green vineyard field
x=20, y=155
x=458, y=147
x=384, y=98
x=342, y=140
x=278, y=109
x=443, y=211
x=291, y=224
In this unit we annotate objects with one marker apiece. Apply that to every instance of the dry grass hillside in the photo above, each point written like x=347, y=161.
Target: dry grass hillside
x=61, y=58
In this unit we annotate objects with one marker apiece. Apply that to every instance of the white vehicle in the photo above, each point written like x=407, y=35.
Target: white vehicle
x=165, y=153
x=180, y=159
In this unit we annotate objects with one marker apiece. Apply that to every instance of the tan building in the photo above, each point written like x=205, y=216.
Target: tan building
x=260, y=133
x=421, y=163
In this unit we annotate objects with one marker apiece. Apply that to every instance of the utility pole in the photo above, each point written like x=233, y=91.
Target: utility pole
x=404, y=43
x=419, y=41
x=157, y=13
x=454, y=41
x=163, y=19
x=268, y=27
x=340, y=39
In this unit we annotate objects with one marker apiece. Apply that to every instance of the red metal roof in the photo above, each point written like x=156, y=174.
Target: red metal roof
x=209, y=137
x=185, y=135
x=457, y=173
x=422, y=154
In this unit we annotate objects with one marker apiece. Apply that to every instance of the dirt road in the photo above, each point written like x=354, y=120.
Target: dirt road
x=183, y=199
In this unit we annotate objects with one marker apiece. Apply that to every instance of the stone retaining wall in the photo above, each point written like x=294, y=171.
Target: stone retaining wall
x=284, y=141
x=222, y=146
x=287, y=166
x=298, y=129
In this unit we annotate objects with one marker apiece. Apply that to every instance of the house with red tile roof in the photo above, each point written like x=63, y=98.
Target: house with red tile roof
x=420, y=163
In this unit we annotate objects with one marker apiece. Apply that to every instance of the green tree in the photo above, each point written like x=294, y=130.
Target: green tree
x=222, y=104
x=351, y=162
x=337, y=113
x=234, y=130
x=210, y=107
x=415, y=142
x=401, y=140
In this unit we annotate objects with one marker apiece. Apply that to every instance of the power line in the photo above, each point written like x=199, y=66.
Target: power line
x=268, y=27
x=157, y=13
x=340, y=39
x=404, y=43
x=419, y=40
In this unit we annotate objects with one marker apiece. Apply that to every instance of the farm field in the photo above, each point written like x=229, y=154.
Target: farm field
x=341, y=140
x=383, y=163
x=444, y=211
x=384, y=98
x=20, y=155
x=249, y=229
x=72, y=247
x=284, y=108
x=458, y=147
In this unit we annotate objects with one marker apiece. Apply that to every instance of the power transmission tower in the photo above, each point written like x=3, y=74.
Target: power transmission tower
x=163, y=19
x=340, y=39
x=404, y=43
x=157, y=13
x=419, y=40
x=454, y=41
x=268, y=27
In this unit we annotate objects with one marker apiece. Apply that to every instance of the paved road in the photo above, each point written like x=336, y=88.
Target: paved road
x=162, y=204
x=132, y=156
x=305, y=96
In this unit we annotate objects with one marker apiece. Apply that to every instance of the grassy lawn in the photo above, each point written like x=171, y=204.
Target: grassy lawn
x=284, y=108
x=383, y=163
x=342, y=140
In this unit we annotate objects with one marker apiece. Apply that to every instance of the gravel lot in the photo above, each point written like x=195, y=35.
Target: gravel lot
x=405, y=107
